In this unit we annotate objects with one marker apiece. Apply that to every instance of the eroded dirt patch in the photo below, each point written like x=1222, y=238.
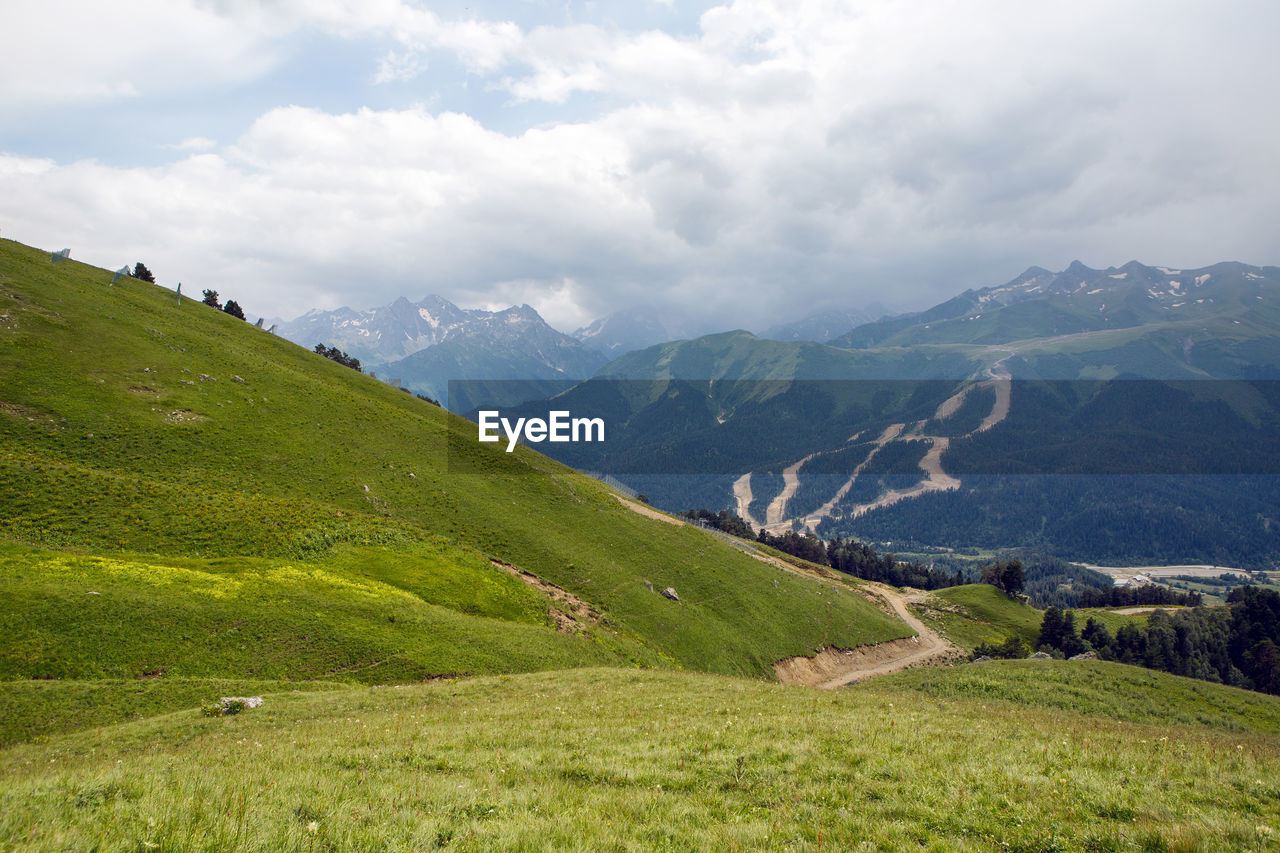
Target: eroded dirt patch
x=571, y=614
x=184, y=416
x=835, y=665
x=24, y=413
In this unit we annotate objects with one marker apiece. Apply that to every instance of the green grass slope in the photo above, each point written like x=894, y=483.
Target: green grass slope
x=978, y=614
x=1097, y=688
x=35, y=710
x=247, y=508
x=643, y=760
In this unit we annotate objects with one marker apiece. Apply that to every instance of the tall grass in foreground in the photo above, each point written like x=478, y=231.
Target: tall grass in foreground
x=627, y=760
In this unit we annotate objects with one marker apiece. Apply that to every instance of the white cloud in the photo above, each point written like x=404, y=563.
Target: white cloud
x=194, y=143
x=89, y=51
x=66, y=50
x=787, y=151
x=400, y=66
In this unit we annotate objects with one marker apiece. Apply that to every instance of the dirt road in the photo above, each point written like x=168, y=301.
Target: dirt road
x=832, y=668
x=648, y=511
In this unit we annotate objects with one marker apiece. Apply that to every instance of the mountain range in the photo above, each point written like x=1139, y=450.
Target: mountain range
x=924, y=427
x=424, y=345
x=824, y=326
x=1043, y=304
x=626, y=330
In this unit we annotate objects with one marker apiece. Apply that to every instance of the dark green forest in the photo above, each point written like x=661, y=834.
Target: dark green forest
x=1226, y=520
x=1238, y=644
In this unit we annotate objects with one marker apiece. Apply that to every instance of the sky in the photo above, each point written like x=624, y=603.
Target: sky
x=734, y=164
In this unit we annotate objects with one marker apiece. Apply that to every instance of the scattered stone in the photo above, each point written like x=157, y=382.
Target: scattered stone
x=229, y=706
x=982, y=659
x=1084, y=656
x=1041, y=656
x=411, y=477
x=204, y=377
x=235, y=378
x=185, y=382
x=91, y=592
x=366, y=488
x=670, y=593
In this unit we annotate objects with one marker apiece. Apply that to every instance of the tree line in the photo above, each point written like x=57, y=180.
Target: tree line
x=1137, y=596
x=335, y=354
x=1238, y=644
x=848, y=556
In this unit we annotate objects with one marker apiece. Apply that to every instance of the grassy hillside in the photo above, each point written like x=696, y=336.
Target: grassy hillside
x=150, y=448
x=1097, y=688
x=977, y=614
x=353, y=617
x=628, y=760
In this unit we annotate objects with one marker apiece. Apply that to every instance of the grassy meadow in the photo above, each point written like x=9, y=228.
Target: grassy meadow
x=608, y=759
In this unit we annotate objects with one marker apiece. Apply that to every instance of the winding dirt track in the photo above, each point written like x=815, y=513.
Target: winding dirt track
x=832, y=668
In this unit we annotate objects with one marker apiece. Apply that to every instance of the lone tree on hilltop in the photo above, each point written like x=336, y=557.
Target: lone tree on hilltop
x=211, y=299
x=1005, y=575
x=140, y=271
x=233, y=308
